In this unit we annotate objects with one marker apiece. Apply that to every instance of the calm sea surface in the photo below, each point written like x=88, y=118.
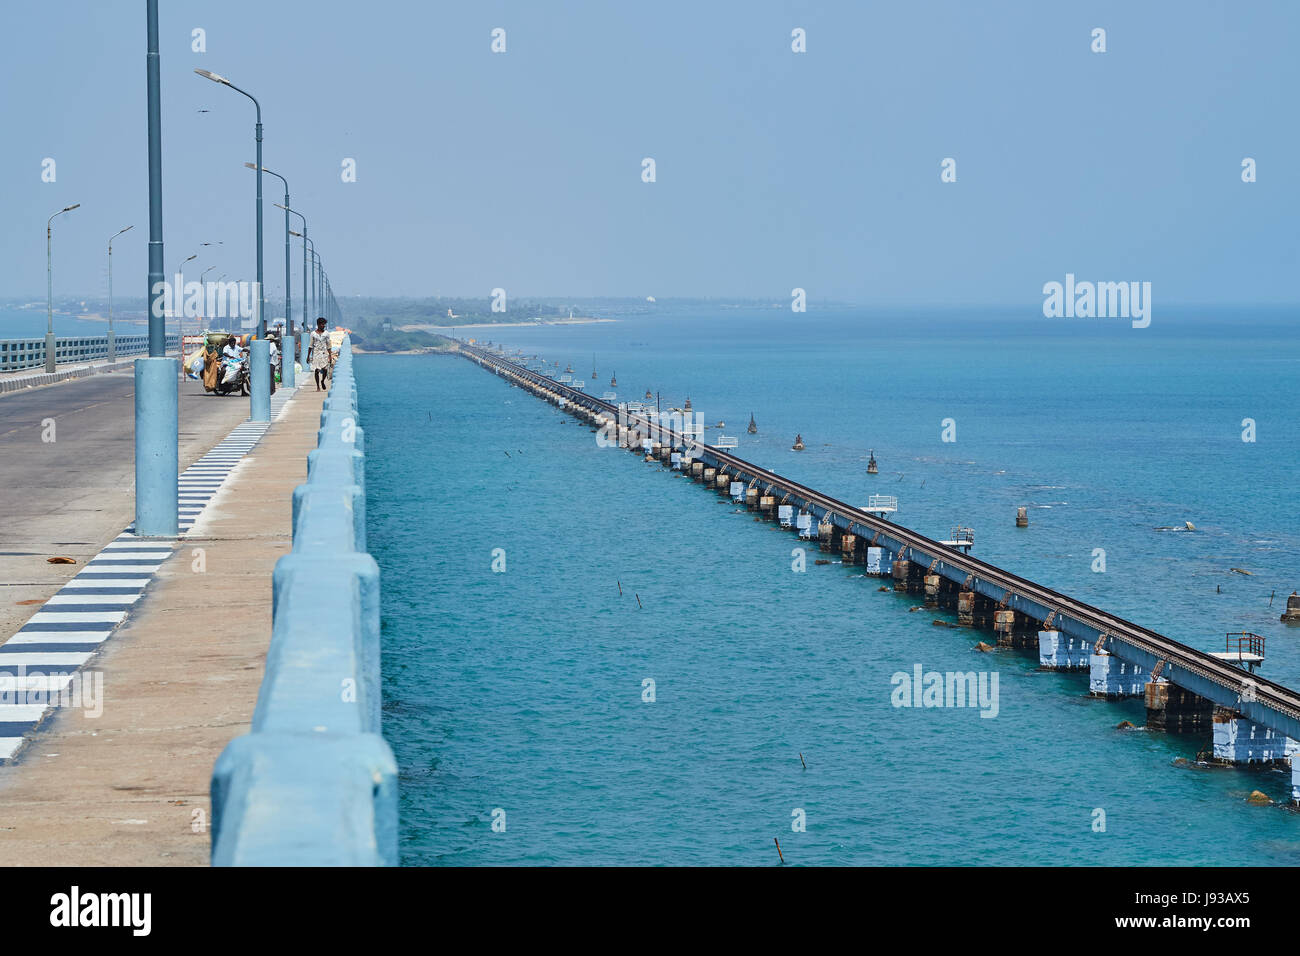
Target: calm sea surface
x=523, y=690
x=19, y=323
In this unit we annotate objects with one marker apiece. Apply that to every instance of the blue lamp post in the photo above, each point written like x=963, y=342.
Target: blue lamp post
x=49, y=289
x=286, y=376
x=261, y=295
x=157, y=400
x=112, y=342
x=303, y=236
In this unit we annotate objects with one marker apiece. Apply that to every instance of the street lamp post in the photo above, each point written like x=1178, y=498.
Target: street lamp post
x=178, y=303
x=315, y=286
x=318, y=282
x=220, y=279
x=259, y=352
x=49, y=289
x=203, y=312
x=303, y=236
x=286, y=370
x=157, y=399
x=112, y=342
x=261, y=297
x=315, y=272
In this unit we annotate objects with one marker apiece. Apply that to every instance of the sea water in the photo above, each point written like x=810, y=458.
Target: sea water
x=590, y=660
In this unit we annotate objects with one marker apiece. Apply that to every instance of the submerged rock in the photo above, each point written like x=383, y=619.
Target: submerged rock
x=1258, y=798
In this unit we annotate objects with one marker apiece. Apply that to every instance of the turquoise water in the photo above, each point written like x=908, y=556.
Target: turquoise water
x=19, y=323
x=523, y=690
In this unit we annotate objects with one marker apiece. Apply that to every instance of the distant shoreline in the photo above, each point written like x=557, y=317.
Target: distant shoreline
x=500, y=325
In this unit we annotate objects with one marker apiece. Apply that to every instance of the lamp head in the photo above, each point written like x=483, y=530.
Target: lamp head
x=214, y=77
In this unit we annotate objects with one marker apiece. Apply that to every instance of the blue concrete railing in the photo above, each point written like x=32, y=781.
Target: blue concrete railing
x=30, y=352
x=314, y=783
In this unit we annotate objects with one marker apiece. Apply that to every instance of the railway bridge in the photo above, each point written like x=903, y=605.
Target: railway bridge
x=1253, y=720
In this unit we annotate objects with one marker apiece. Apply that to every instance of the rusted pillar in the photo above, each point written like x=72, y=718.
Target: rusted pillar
x=966, y=608
x=932, y=585
x=1172, y=708
x=825, y=535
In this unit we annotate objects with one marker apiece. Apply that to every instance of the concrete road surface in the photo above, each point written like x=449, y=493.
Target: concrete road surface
x=69, y=496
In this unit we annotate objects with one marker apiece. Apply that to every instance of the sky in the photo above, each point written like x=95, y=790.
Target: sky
x=523, y=170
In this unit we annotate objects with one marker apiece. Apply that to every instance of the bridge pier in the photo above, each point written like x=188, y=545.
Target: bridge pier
x=1238, y=740
x=908, y=576
x=1113, y=677
x=849, y=548
x=1063, y=652
x=1015, y=629
x=974, y=609
x=1175, y=709
x=933, y=582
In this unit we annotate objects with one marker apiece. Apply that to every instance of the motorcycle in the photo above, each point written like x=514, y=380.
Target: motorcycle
x=233, y=378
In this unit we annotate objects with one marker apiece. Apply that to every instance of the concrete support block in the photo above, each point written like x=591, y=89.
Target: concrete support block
x=1238, y=740
x=157, y=454
x=1113, y=677
x=1058, y=651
